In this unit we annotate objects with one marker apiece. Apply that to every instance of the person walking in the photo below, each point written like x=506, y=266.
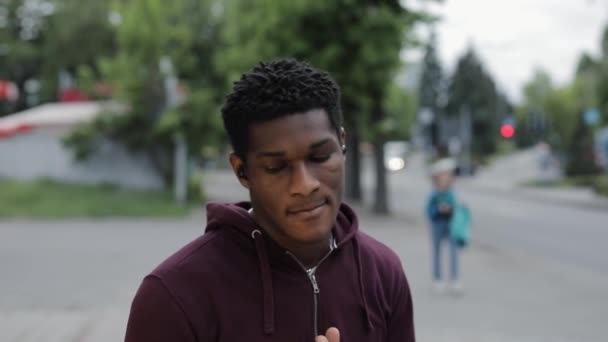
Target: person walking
x=441, y=208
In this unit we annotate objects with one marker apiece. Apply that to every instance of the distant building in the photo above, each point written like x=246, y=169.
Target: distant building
x=31, y=148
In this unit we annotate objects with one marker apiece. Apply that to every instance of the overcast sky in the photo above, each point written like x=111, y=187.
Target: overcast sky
x=513, y=37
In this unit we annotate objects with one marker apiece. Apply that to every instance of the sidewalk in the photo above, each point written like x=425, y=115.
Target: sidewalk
x=509, y=296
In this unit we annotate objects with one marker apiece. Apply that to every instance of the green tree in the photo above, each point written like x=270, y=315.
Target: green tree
x=549, y=113
x=586, y=64
x=400, y=105
x=431, y=85
x=67, y=49
x=431, y=78
x=150, y=31
x=561, y=110
x=532, y=117
x=41, y=37
x=472, y=89
x=22, y=31
x=581, y=160
x=538, y=88
x=590, y=90
x=602, y=75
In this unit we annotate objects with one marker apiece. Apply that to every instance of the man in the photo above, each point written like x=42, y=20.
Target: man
x=291, y=264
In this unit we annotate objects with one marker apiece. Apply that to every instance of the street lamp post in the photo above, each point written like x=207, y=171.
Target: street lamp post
x=180, y=166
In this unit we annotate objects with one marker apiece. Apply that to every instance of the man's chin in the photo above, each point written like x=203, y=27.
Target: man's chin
x=310, y=235
x=313, y=227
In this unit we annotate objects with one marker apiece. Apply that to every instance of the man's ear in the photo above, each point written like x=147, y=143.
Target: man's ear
x=342, y=138
x=240, y=169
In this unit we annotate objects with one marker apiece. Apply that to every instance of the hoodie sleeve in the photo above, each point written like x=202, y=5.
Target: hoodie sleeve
x=156, y=316
x=401, y=321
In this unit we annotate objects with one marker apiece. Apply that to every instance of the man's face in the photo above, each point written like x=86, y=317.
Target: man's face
x=295, y=175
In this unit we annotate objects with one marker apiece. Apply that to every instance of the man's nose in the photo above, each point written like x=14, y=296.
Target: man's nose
x=303, y=182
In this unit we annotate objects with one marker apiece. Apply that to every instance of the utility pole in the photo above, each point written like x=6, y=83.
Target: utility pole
x=180, y=165
x=466, y=138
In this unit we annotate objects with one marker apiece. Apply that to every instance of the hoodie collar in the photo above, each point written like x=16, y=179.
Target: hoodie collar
x=237, y=217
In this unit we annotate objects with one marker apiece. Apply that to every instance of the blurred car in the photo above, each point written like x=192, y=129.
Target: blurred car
x=395, y=154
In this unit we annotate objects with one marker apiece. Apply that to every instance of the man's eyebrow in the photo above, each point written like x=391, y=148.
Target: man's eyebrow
x=320, y=143
x=270, y=154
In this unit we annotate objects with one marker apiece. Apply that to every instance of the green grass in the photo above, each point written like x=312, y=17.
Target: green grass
x=601, y=185
x=52, y=200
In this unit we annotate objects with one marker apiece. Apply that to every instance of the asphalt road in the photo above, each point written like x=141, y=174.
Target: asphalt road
x=565, y=233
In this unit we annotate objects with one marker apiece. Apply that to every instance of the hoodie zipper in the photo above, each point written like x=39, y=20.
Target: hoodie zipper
x=315, y=288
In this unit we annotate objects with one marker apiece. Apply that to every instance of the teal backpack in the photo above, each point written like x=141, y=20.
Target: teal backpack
x=460, y=225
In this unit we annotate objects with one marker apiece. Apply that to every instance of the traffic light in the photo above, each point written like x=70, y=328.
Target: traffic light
x=8, y=91
x=507, y=130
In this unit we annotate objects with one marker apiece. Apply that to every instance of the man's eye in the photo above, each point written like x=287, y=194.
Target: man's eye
x=321, y=158
x=274, y=168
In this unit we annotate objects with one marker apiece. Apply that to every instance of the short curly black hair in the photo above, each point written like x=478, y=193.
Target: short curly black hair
x=275, y=89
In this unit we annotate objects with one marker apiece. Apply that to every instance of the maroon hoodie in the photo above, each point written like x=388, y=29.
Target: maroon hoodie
x=234, y=283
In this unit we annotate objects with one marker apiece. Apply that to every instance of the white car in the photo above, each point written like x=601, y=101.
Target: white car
x=395, y=153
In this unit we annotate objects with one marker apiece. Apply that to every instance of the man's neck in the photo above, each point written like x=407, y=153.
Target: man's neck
x=310, y=254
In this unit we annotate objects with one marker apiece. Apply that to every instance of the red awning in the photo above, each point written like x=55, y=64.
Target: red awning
x=10, y=130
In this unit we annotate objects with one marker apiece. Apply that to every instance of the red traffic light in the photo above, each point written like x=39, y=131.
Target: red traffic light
x=8, y=91
x=507, y=131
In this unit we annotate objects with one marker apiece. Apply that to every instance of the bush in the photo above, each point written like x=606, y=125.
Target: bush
x=585, y=181
x=601, y=185
x=195, y=188
x=581, y=158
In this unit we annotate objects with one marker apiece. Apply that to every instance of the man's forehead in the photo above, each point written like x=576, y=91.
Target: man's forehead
x=301, y=129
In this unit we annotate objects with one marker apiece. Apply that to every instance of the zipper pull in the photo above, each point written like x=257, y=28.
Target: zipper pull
x=313, y=280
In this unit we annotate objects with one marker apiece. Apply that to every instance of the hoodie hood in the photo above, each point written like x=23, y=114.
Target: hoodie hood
x=233, y=215
x=236, y=217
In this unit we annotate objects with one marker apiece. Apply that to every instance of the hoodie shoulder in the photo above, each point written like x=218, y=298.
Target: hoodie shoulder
x=228, y=225
x=379, y=253
x=182, y=258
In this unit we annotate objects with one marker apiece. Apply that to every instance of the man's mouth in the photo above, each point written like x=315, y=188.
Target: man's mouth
x=306, y=208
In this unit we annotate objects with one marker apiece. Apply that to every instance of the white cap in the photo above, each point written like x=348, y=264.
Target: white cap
x=443, y=165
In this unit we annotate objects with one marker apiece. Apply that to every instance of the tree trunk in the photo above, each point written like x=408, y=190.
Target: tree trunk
x=380, y=205
x=353, y=166
x=161, y=160
x=381, y=194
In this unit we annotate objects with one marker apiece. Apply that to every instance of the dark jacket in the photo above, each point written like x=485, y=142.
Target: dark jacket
x=435, y=200
x=236, y=284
